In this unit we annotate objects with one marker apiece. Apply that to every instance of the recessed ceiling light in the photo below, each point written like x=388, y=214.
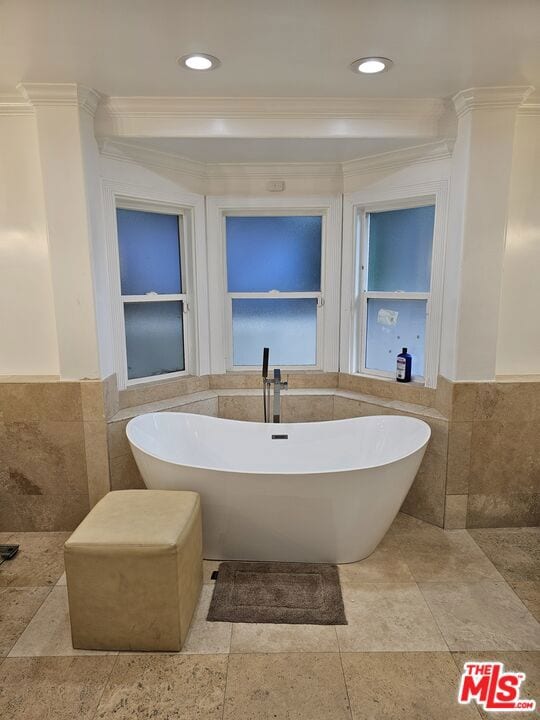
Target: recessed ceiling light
x=199, y=61
x=371, y=65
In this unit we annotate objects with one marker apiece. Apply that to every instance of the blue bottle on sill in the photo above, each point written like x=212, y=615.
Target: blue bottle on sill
x=404, y=364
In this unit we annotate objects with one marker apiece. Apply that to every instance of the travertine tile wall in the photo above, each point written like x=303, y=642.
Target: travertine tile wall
x=53, y=450
x=388, y=389
x=99, y=401
x=153, y=392
x=63, y=444
x=294, y=408
x=43, y=474
x=485, y=450
x=252, y=381
x=494, y=453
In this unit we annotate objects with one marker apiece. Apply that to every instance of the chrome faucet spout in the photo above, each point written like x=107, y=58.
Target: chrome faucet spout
x=277, y=395
x=278, y=386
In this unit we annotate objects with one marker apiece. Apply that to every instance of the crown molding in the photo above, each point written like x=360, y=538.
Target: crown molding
x=529, y=109
x=216, y=171
x=272, y=107
x=511, y=96
x=14, y=105
x=268, y=117
x=394, y=159
x=60, y=95
x=206, y=172
x=149, y=157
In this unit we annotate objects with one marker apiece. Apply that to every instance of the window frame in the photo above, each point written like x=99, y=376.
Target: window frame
x=190, y=213
x=329, y=209
x=354, y=290
x=270, y=295
x=183, y=297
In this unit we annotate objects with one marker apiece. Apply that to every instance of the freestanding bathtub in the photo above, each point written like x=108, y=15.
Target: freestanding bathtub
x=300, y=492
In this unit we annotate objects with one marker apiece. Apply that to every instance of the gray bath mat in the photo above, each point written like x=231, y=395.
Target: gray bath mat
x=277, y=592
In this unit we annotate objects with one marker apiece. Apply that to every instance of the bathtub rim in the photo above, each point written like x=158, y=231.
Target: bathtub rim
x=278, y=425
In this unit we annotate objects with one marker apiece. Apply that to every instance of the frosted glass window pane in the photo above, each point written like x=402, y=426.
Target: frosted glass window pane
x=287, y=327
x=149, y=248
x=274, y=253
x=391, y=326
x=154, y=338
x=400, y=243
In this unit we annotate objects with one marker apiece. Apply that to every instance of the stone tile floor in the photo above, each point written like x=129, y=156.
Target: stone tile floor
x=426, y=601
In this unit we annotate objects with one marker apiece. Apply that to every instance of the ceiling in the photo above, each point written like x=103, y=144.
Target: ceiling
x=272, y=150
x=276, y=48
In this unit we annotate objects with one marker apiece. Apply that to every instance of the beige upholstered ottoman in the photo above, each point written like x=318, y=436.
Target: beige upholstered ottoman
x=134, y=571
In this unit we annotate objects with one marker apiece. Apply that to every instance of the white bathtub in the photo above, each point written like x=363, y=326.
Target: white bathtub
x=326, y=493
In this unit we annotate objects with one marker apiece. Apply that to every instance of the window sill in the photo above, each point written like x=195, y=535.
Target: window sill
x=392, y=380
x=161, y=389
x=412, y=392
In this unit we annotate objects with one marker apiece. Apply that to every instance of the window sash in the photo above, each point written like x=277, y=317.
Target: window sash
x=155, y=298
x=362, y=306
x=272, y=295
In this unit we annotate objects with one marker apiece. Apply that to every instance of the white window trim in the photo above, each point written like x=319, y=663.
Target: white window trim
x=353, y=305
x=190, y=208
x=329, y=208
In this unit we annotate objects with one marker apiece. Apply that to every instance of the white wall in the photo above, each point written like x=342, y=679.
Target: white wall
x=152, y=177
x=518, y=347
x=61, y=129
x=29, y=342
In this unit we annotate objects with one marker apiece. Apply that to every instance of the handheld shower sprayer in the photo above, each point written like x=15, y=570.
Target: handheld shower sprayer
x=266, y=353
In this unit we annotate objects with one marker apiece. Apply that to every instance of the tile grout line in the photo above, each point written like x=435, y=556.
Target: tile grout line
x=503, y=577
x=226, y=684
x=106, y=682
x=521, y=601
x=460, y=670
x=33, y=614
x=403, y=558
x=344, y=678
x=433, y=616
x=337, y=634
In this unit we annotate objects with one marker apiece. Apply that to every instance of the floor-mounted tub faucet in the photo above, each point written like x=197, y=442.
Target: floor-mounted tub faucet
x=278, y=385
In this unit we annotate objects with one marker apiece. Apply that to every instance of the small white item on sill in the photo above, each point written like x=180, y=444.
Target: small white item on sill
x=387, y=317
